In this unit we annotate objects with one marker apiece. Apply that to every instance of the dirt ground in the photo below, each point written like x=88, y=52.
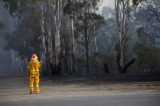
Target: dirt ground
x=12, y=88
x=66, y=84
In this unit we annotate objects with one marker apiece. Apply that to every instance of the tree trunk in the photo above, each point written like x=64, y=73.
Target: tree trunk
x=73, y=46
x=86, y=46
x=122, y=23
x=43, y=57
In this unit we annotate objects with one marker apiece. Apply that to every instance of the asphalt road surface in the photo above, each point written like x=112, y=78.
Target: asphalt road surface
x=123, y=99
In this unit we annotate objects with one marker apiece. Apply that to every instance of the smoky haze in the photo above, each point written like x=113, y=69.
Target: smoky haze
x=10, y=63
x=141, y=41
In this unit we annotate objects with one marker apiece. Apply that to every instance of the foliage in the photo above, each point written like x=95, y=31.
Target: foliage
x=25, y=37
x=99, y=60
x=14, y=6
x=136, y=2
x=83, y=11
x=148, y=57
x=2, y=26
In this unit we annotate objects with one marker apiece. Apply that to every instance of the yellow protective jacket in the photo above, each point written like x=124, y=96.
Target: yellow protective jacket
x=34, y=67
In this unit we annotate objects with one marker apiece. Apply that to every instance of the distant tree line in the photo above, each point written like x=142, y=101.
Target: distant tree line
x=70, y=37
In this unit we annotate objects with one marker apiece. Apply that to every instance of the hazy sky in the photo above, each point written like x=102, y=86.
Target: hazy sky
x=109, y=3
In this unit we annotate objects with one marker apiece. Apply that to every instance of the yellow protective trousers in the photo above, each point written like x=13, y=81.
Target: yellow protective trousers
x=34, y=81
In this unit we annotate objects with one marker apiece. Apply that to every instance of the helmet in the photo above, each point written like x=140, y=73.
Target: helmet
x=34, y=56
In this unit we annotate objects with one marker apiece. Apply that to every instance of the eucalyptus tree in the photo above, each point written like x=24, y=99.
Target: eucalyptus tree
x=122, y=14
x=153, y=7
x=86, y=21
x=26, y=31
x=54, y=26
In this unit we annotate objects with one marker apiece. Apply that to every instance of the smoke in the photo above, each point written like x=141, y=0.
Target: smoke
x=10, y=63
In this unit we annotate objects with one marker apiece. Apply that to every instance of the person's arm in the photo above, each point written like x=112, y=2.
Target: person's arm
x=39, y=65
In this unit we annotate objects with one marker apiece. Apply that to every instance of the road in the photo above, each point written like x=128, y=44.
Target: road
x=14, y=92
x=123, y=99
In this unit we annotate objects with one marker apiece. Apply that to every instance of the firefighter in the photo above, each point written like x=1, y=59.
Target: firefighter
x=33, y=69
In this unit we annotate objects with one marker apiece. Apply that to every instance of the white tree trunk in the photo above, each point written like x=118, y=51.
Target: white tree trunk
x=95, y=41
x=57, y=19
x=43, y=34
x=72, y=30
x=121, y=7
